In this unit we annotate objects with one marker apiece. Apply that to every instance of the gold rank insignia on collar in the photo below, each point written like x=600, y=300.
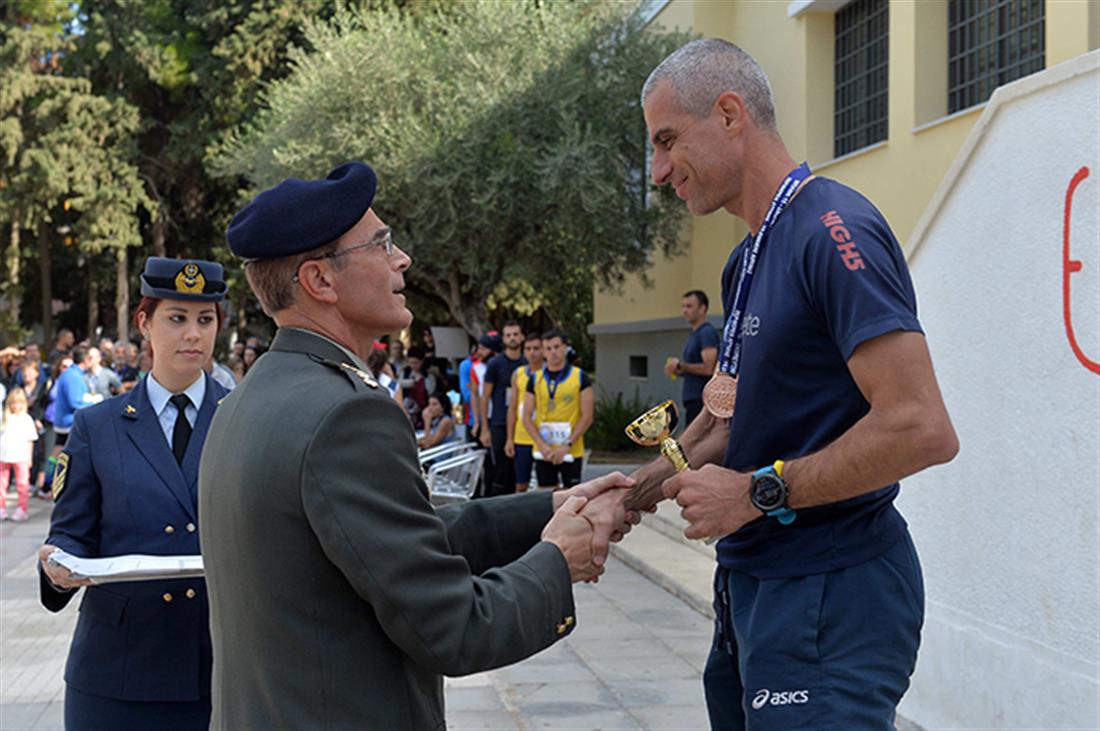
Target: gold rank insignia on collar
x=220, y=400
x=130, y=409
x=367, y=378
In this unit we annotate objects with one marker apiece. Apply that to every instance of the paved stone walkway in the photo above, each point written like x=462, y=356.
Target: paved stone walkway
x=634, y=661
x=33, y=642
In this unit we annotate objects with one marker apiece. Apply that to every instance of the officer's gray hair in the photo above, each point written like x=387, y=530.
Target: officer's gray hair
x=702, y=70
x=272, y=280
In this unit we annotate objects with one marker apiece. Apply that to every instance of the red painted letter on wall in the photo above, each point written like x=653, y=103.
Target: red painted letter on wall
x=1072, y=266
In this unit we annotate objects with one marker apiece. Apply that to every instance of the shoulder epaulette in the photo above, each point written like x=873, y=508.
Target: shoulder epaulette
x=356, y=375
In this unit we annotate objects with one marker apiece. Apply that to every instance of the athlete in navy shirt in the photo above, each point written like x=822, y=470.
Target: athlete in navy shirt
x=494, y=408
x=700, y=353
x=807, y=312
x=818, y=592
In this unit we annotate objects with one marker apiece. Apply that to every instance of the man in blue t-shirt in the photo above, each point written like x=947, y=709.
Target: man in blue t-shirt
x=494, y=408
x=819, y=595
x=72, y=393
x=700, y=353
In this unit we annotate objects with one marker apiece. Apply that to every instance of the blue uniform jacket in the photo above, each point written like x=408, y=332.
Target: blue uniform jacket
x=124, y=493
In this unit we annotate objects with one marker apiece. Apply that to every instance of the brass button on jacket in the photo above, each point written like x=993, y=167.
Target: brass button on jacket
x=169, y=529
x=190, y=527
x=190, y=593
x=167, y=597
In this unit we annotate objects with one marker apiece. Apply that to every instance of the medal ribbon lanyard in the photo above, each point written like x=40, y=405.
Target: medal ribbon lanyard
x=552, y=385
x=730, y=359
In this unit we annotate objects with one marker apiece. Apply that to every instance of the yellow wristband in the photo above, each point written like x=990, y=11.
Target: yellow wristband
x=778, y=467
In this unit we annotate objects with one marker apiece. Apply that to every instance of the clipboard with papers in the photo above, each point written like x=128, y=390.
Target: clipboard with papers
x=131, y=567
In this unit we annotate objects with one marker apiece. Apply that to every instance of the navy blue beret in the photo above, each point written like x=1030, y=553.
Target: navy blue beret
x=301, y=215
x=194, y=280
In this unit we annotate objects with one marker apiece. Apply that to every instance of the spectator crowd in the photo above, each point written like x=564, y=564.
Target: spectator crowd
x=40, y=395
x=481, y=399
x=484, y=398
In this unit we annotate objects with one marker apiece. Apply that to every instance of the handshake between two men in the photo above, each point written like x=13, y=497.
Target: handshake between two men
x=587, y=519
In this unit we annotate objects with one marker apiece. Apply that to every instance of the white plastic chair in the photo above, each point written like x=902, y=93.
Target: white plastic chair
x=455, y=479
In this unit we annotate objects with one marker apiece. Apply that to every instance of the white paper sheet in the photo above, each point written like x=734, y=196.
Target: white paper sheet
x=132, y=567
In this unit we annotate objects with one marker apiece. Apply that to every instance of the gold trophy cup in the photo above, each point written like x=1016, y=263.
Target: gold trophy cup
x=654, y=427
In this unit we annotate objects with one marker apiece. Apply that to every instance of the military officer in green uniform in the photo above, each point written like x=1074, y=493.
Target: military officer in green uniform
x=338, y=596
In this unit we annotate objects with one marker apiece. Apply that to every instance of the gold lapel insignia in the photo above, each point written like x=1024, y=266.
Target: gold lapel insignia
x=60, y=472
x=130, y=409
x=190, y=279
x=367, y=378
x=220, y=400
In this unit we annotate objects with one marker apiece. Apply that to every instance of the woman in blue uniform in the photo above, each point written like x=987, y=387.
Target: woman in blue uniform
x=126, y=483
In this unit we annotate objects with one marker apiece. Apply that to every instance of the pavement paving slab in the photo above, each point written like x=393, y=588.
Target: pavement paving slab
x=631, y=634
x=33, y=642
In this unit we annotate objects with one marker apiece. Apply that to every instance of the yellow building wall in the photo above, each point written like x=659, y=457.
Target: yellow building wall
x=899, y=175
x=1073, y=28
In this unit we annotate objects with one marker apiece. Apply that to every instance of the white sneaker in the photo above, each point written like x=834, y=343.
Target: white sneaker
x=3, y=514
x=19, y=515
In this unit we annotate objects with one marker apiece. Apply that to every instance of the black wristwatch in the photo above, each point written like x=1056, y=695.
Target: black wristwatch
x=768, y=492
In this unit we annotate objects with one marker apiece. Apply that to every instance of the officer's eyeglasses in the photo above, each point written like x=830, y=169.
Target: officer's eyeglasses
x=384, y=240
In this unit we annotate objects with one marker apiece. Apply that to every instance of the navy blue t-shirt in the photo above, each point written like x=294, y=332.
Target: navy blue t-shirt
x=499, y=373
x=831, y=276
x=701, y=338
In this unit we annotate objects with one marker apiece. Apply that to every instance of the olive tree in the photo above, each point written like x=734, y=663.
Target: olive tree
x=507, y=136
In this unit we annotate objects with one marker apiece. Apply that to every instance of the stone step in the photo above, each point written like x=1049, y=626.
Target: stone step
x=668, y=522
x=671, y=563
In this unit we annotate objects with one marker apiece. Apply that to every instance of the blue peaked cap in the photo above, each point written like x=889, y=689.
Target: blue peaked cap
x=301, y=215
x=192, y=280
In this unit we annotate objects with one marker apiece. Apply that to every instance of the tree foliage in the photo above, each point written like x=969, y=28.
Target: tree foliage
x=69, y=158
x=508, y=139
x=507, y=136
x=193, y=68
x=107, y=108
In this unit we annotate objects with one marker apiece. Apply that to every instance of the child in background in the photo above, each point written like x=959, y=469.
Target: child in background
x=17, y=436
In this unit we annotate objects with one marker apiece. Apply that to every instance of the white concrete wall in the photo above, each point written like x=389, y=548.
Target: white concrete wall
x=1008, y=532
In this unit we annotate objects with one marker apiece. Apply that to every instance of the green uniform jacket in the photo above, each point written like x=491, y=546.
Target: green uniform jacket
x=338, y=596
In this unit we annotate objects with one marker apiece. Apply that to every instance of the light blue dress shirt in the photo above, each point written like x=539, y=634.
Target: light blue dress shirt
x=164, y=409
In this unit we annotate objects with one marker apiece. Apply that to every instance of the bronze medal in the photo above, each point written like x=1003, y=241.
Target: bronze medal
x=720, y=394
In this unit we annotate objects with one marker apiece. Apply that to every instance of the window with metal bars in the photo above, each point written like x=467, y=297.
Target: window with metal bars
x=861, y=70
x=990, y=43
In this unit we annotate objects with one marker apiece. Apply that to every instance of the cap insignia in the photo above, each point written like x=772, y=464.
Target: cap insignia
x=190, y=279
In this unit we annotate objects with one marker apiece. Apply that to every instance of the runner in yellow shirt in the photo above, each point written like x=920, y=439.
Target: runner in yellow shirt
x=557, y=410
x=519, y=444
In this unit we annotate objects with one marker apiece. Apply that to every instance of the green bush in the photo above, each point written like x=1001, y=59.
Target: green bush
x=613, y=414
